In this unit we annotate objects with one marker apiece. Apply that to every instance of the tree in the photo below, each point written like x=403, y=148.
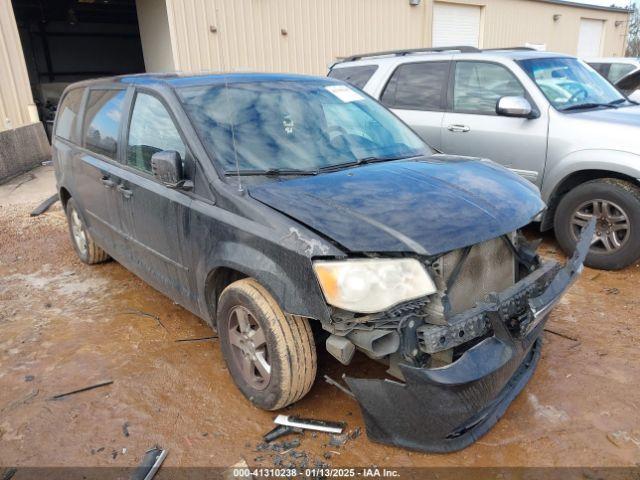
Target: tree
x=633, y=43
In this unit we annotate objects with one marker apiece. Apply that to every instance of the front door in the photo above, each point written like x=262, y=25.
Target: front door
x=155, y=217
x=473, y=128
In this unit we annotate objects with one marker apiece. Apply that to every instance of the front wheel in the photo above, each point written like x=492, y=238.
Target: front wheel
x=271, y=355
x=615, y=204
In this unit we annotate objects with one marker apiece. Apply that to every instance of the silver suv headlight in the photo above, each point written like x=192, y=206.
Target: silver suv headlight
x=372, y=285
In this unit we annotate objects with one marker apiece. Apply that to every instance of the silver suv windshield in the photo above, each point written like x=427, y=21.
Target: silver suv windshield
x=292, y=127
x=569, y=84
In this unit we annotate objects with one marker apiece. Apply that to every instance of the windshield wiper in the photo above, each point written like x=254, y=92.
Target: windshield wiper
x=580, y=106
x=361, y=161
x=270, y=172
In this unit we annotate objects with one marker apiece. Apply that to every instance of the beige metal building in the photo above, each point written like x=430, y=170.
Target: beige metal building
x=45, y=44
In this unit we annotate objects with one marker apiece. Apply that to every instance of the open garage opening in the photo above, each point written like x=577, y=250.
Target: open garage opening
x=65, y=41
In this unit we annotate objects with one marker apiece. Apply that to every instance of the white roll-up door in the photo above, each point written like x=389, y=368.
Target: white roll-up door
x=590, y=38
x=456, y=24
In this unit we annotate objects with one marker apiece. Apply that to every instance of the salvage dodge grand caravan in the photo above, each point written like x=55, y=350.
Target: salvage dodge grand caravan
x=263, y=203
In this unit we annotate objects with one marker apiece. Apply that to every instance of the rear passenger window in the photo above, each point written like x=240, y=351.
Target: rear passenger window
x=478, y=86
x=417, y=86
x=102, y=121
x=152, y=130
x=67, y=118
x=356, y=76
x=619, y=70
x=601, y=68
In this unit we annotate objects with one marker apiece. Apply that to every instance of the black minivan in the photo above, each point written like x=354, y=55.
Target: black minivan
x=265, y=202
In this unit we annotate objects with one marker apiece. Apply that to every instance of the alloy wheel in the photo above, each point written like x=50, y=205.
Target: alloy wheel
x=612, y=224
x=77, y=230
x=249, y=347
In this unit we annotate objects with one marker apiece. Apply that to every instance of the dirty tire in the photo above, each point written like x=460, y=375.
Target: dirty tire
x=619, y=192
x=90, y=253
x=289, y=342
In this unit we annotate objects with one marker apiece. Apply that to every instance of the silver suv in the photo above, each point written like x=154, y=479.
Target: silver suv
x=548, y=117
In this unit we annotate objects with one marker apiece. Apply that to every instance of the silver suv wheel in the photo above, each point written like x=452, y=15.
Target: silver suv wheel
x=612, y=224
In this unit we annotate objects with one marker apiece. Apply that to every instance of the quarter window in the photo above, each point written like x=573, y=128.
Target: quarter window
x=68, y=115
x=356, y=76
x=102, y=121
x=479, y=85
x=152, y=130
x=417, y=86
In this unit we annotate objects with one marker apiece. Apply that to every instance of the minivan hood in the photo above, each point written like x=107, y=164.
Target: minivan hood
x=427, y=206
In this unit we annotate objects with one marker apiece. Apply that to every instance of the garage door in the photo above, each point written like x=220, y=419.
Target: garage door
x=590, y=38
x=455, y=24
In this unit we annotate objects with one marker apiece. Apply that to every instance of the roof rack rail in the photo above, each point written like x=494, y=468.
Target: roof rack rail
x=400, y=53
x=528, y=49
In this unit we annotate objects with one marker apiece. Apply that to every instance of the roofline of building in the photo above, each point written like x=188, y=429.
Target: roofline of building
x=587, y=5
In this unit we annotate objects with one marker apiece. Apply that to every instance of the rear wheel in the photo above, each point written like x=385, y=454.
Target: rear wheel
x=615, y=204
x=271, y=356
x=88, y=251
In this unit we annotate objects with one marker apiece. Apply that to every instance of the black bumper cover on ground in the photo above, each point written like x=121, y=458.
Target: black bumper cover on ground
x=448, y=408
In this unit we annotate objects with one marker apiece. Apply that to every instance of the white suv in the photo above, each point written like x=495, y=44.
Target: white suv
x=548, y=117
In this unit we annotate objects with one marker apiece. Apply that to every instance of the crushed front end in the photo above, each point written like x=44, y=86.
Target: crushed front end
x=462, y=354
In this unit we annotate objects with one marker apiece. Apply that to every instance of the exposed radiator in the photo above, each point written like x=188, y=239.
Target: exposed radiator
x=489, y=267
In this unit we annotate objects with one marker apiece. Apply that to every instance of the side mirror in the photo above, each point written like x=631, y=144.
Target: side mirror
x=166, y=166
x=514, y=107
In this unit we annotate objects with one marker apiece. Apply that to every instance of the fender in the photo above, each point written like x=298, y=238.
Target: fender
x=296, y=290
x=605, y=160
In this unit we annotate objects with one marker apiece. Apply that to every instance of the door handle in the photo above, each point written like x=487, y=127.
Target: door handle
x=126, y=193
x=458, y=128
x=107, y=182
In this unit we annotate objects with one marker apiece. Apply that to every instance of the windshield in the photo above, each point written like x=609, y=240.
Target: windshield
x=302, y=125
x=570, y=84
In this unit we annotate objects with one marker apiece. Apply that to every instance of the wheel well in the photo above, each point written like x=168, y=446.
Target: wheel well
x=570, y=182
x=217, y=280
x=64, y=197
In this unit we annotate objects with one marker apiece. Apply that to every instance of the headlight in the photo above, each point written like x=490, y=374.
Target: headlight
x=372, y=285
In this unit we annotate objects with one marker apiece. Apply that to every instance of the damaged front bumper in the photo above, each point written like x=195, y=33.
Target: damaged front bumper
x=448, y=408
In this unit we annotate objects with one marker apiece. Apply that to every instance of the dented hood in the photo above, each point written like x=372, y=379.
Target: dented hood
x=427, y=206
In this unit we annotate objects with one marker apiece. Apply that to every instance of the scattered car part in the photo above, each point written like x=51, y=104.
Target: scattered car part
x=83, y=389
x=446, y=409
x=280, y=431
x=310, y=424
x=150, y=464
x=199, y=339
x=331, y=381
x=45, y=205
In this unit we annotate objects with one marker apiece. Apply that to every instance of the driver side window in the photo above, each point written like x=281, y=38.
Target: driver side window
x=479, y=85
x=151, y=130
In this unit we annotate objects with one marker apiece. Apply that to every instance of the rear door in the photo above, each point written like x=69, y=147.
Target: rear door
x=156, y=217
x=93, y=166
x=416, y=92
x=473, y=128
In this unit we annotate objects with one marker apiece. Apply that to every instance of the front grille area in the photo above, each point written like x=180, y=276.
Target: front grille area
x=489, y=267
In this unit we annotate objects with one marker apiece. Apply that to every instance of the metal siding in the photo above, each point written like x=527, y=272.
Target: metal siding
x=16, y=101
x=249, y=35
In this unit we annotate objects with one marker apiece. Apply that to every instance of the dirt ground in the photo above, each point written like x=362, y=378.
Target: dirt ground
x=65, y=325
